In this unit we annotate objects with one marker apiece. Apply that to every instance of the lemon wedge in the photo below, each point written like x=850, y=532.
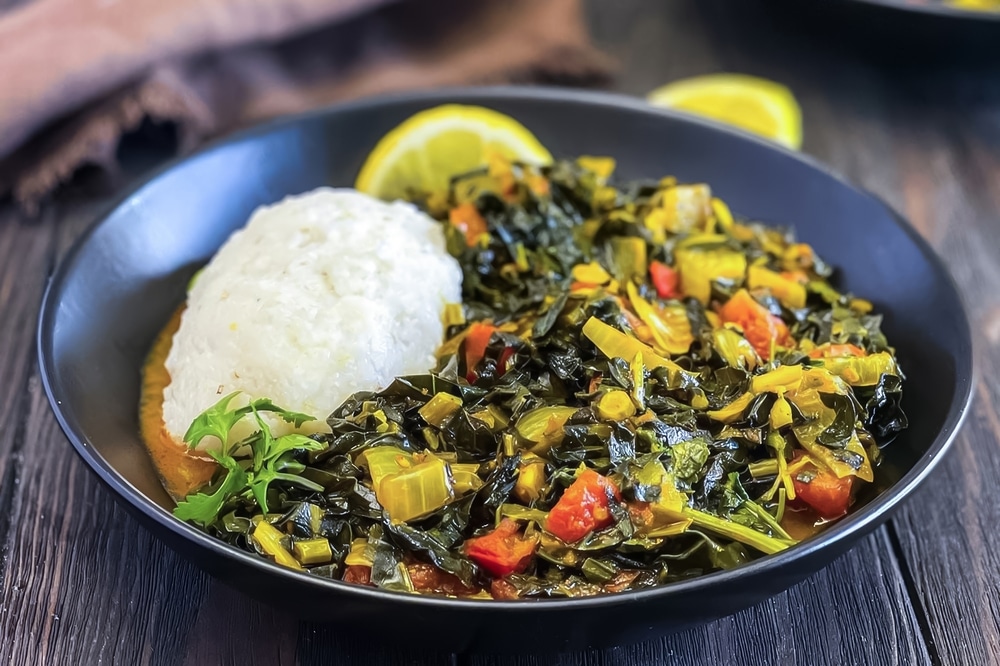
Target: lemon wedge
x=756, y=105
x=975, y=5
x=427, y=149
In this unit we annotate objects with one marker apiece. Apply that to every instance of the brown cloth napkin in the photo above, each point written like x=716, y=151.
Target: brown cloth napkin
x=78, y=74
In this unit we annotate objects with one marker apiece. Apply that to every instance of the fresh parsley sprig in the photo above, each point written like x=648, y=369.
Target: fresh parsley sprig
x=272, y=457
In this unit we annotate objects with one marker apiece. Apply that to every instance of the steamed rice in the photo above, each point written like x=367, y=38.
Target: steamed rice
x=319, y=296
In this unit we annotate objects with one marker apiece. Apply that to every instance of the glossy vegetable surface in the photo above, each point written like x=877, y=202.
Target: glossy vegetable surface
x=636, y=387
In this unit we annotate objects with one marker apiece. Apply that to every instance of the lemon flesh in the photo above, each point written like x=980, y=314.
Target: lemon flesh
x=427, y=149
x=975, y=5
x=757, y=105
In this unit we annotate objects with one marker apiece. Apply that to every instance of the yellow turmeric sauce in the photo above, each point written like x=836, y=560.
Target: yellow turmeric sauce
x=180, y=472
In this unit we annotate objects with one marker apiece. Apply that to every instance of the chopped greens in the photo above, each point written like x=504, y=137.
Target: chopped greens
x=638, y=388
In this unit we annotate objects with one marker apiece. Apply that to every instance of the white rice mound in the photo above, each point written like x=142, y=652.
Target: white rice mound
x=319, y=296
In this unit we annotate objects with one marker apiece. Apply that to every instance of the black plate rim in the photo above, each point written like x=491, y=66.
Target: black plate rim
x=870, y=516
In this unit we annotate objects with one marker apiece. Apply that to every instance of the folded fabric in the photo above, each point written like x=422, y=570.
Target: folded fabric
x=80, y=73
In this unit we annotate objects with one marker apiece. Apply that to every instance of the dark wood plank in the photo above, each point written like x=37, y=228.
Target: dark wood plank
x=25, y=260
x=121, y=597
x=853, y=612
x=948, y=534
x=322, y=644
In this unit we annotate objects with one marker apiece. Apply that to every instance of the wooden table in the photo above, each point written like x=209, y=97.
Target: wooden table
x=82, y=583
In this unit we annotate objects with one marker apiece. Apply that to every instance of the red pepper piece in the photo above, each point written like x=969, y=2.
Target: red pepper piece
x=665, y=279
x=583, y=507
x=466, y=218
x=475, y=344
x=502, y=361
x=825, y=492
x=759, y=326
x=503, y=551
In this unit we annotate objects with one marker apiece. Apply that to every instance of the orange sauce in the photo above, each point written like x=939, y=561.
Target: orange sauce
x=180, y=471
x=801, y=523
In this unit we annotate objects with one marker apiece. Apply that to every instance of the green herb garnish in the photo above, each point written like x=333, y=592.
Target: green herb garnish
x=273, y=458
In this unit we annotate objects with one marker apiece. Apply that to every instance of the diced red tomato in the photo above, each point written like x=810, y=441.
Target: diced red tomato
x=466, y=218
x=503, y=551
x=665, y=280
x=428, y=579
x=823, y=491
x=759, y=326
x=357, y=574
x=475, y=344
x=503, y=590
x=583, y=507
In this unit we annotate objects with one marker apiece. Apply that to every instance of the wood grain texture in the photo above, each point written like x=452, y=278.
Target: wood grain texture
x=25, y=259
x=83, y=583
x=948, y=534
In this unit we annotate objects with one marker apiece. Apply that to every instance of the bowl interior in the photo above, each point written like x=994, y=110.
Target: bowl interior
x=119, y=286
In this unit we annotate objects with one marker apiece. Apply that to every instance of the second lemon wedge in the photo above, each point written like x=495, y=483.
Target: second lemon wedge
x=757, y=105
x=427, y=149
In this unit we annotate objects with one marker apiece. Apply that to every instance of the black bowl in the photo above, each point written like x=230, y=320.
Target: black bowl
x=118, y=286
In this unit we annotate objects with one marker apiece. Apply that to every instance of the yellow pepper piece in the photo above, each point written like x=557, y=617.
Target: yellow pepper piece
x=861, y=305
x=383, y=461
x=531, y=478
x=416, y=491
x=687, y=208
x=798, y=256
x=615, y=344
x=628, y=254
x=723, y=216
x=313, y=551
x=615, y=405
x=602, y=167
x=699, y=400
x=440, y=408
x=358, y=556
x=656, y=222
x=534, y=424
x=789, y=292
x=699, y=267
x=269, y=538
x=865, y=472
x=734, y=349
x=783, y=378
x=733, y=410
x=465, y=477
x=781, y=413
x=862, y=371
x=671, y=329
x=454, y=314
x=592, y=273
